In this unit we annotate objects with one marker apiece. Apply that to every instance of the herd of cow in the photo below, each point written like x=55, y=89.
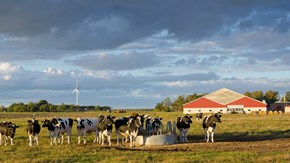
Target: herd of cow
x=128, y=127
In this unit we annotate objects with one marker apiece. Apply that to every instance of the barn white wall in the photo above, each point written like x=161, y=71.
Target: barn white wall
x=249, y=109
x=204, y=110
x=222, y=110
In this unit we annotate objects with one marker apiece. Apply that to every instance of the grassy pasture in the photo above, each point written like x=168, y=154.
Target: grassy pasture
x=240, y=138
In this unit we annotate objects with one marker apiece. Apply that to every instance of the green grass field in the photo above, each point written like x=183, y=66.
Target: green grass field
x=239, y=138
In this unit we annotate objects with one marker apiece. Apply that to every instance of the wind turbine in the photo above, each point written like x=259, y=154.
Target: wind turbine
x=77, y=92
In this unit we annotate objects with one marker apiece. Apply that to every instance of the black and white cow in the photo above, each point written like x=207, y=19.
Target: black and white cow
x=209, y=125
x=87, y=125
x=105, y=127
x=154, y=125
x=59, y=126
x=199, y=116
x=183, y=125
x=128, y=129
x=8, y=130
x=33, y=129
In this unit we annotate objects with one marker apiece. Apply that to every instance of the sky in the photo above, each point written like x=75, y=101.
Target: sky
x=135, y=53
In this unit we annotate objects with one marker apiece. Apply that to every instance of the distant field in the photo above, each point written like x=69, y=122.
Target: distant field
x=240, y=138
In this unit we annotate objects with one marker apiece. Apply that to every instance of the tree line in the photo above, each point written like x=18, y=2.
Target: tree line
x=44, y=106
x=169, y=105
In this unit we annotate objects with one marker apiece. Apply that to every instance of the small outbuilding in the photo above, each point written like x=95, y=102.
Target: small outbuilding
x=224, y=101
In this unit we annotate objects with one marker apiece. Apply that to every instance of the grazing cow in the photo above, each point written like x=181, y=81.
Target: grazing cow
x=209, y=125
x=58, y=126
x=33, y=129
x=198, y=116
x=183, y=125
x=105, y=127
x=8, y=130
x=129, y=129
x=87, y=125
x=154, y=125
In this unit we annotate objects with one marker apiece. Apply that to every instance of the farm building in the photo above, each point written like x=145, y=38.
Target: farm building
x=280, y=106
x=224, y=101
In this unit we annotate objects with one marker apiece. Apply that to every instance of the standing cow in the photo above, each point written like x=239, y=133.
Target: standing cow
x=209, y=125
x=154, y=125
x=105, y=127
x=33, y=129
x=130, y=129
x=58, y=126
x=183, y=125
x=8, y=130
x=87, y=125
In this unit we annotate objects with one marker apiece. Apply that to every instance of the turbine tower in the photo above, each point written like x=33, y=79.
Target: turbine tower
x=77, y=92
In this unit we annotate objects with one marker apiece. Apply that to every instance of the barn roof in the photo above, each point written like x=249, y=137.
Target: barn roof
x=224, y=96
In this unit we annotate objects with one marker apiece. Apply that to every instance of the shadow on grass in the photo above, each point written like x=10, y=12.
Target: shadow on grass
x=244, y=136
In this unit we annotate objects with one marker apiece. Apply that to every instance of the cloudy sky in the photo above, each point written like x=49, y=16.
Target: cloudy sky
x=134, y=54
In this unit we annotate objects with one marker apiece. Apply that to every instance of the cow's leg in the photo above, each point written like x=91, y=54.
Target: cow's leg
x=68, y=139
x=30, y=140
x=54, y=140
x=123, y=140
x=50, y=140
x=0, y=139
x=84, y=137
x=117, y=134
x=208, y=135
x=185, y=135
x=131, y=140
x=109, y=139
x=11, y=140
x=6, y=140
x=103, y=138
x=212, y=133
x=100, y=137
x=205, y=134
x=180, y=135
x=79, y=139
x=96, y=137
x=36, y=139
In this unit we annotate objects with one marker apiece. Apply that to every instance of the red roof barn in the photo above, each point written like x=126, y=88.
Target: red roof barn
x=225, y=101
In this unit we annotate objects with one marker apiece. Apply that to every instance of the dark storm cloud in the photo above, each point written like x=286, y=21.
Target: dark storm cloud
x=80, y=25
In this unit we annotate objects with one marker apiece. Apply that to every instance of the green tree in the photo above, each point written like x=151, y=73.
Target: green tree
x=61, y=108
x=98, y=108
x=258, y=95
x=167, y=104
x=44, y=107
x=271, y=96
x=2, y=108
x=158, y=107
x=177, y=104
x=31, y=107
x=287, y=97
x=52, y=108
x=71, y=108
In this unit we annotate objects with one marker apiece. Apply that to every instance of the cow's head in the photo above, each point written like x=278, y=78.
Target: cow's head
x=46, y=123
x=217, y=118
x=156, y=122
x=11, y=128
x=31, y=123
x=186, y=119
x=80, y=123
x=110, y=120
x=101, y=118
x=138, y=121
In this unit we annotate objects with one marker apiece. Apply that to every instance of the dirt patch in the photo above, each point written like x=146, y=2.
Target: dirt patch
x=19, y=115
